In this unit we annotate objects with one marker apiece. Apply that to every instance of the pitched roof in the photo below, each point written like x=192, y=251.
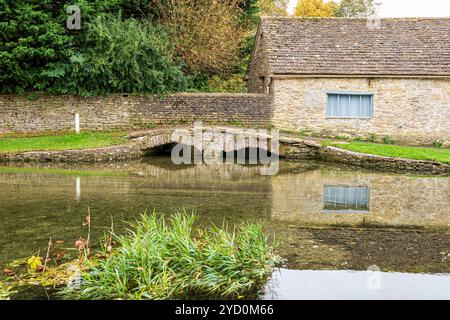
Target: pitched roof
x=343, y=46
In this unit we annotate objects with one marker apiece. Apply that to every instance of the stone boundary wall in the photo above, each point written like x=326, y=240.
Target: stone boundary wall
x=20, y=113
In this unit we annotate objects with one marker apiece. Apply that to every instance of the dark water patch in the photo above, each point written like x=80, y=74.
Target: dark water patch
x=358, y=248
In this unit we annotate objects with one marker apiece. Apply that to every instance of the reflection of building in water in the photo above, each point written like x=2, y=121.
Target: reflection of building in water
x=345, y=199
x=319, y=196
x=303, y=193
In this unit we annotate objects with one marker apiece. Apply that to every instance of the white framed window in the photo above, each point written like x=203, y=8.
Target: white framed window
x=350, y=105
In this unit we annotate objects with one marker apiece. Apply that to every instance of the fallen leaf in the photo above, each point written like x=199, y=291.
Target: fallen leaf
x=79, y=243
x=8, y=272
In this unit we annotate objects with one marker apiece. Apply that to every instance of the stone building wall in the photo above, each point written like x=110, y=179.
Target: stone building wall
x=57, y=112
x=413, y=111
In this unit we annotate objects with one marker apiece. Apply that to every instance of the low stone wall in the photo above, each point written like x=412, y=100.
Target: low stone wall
x=108, y=154
x=57, y=112
x=382, y=163
x=297, y=149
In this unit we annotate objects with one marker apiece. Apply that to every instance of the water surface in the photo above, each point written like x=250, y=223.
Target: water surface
x=356, y=285
x=325, y=216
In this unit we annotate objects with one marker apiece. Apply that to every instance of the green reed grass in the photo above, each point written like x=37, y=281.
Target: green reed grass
x=174, y=259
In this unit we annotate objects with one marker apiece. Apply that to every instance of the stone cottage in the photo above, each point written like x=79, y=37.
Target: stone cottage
x=357, y=77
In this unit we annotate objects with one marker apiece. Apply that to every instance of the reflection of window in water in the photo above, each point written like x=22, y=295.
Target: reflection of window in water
x=346, y=199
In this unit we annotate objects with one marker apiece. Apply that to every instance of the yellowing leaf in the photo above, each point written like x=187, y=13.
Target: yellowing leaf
x=34, y=262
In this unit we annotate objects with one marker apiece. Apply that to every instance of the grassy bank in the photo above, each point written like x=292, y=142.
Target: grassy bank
x=60, y=141
x=389, y=150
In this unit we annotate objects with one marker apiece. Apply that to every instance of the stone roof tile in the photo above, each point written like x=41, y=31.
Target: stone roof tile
x=342, y=46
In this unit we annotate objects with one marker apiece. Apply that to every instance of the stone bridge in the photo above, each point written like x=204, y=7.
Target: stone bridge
x=233, y=139
x=289, y=147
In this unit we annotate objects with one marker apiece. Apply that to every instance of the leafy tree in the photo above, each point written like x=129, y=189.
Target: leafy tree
x=38, y=52
x=273, y=7
x=250, y=12
x=124, y=56
x=344, y=8
x=357, y=8
x=234, y=83
x=207, y=34
x=315, y=8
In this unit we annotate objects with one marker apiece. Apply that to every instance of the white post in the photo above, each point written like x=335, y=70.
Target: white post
x=77, y=123
x=78, y=189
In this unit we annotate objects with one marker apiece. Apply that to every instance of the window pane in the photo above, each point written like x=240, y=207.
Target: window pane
x=332, y=105
x=355, y=103
x=343, y=105
x=366, y=106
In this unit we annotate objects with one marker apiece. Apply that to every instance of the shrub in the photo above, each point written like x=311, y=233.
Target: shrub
x=175, y=260
x=372, y=138
x=389, y=140
x=234, y=83
x=346, y=138
x=438, y=144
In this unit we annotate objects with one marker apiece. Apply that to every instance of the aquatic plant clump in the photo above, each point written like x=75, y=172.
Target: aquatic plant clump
x=174, y=259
